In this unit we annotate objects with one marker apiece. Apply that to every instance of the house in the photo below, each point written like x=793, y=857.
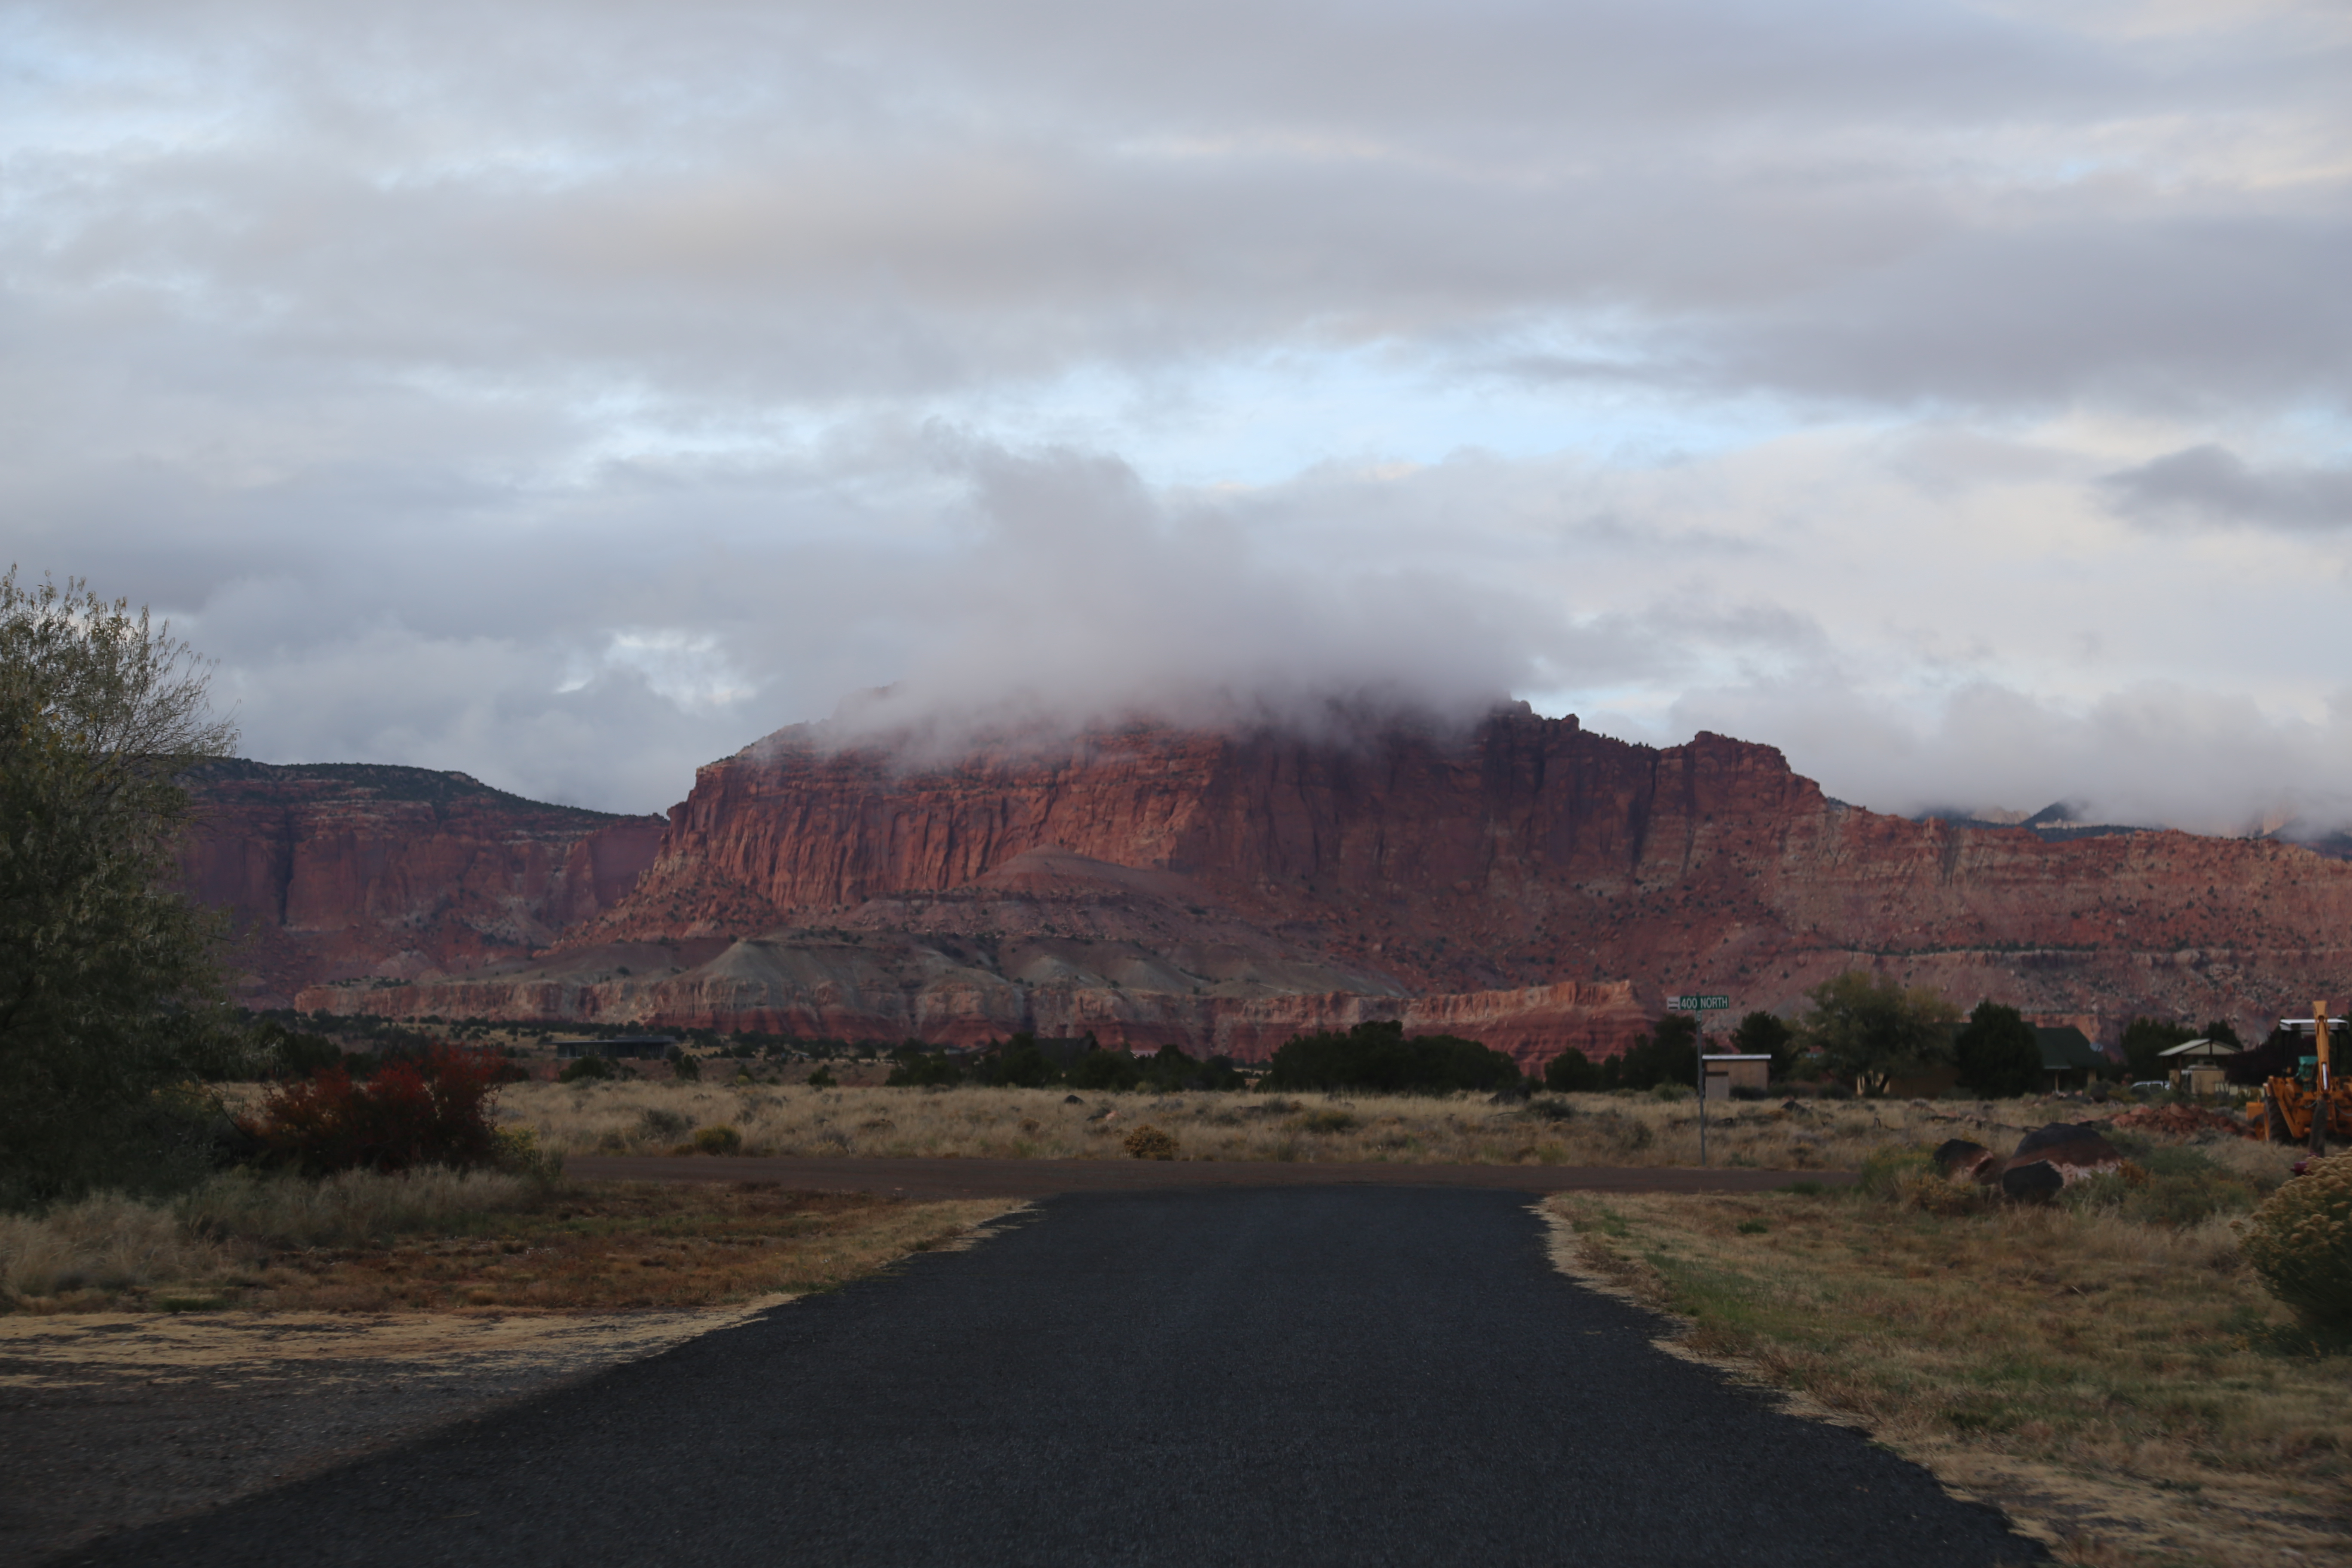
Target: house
x=2068, y=1057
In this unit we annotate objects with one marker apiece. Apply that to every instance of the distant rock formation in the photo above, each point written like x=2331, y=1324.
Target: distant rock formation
x=1522, y=881
x=337, y=871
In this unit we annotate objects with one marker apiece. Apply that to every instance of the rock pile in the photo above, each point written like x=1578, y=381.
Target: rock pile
x=2048, y=1160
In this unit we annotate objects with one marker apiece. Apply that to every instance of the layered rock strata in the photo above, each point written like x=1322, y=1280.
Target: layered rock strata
x=1538, y=884
x=370, y=873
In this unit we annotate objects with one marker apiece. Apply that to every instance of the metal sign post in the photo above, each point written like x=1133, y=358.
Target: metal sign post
x=1694, y=1004
x=2319, y=1079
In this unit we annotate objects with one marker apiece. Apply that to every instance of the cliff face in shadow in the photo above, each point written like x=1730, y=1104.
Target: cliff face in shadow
x=341, y=871
x=1538, y=884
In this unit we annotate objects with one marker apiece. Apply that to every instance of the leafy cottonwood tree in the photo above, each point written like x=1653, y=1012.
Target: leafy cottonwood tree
x=1870, y=1030
x=105, y=971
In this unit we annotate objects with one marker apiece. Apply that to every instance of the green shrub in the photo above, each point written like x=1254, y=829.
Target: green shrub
x=821, y=1079
x=1327, y=1120
x=593, y=1068
x=721, y=1139
x=1149, y=1142
x=2300, y=1242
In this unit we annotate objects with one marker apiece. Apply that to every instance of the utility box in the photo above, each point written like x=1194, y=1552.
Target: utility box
x=1724, y=1074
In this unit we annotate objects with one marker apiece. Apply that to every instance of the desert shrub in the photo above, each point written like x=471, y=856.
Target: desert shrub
x=1149, y=1142
x=1377, y=1058
x=2300, y=1242
x=719, y=1141
x=1328, y=1119
x=659, y=1124
x=1886, y=1170
x=519, y=1153
x=1551, y=1110
x=2170, y=1185
x=821, y=1079
x=1627, y=1134
x=431, y=1111
x=684, y=1068
x=107, y=1240
x=593, y=1068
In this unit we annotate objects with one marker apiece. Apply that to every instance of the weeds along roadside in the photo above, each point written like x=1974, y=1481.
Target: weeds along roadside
x=2107, y=1368
x=432, y=1239
x=659, y=1118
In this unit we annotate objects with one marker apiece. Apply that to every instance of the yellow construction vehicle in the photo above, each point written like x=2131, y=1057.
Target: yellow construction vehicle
x=2290, y=1109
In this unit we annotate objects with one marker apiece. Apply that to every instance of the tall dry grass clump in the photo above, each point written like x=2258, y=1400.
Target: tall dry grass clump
x=104, y=1242
x=111, y=1243
x=349, y=1208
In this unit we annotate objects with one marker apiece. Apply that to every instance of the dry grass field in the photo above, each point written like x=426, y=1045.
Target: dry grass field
x=2122, y=1384
x=434, y=1241
x=647, y=1118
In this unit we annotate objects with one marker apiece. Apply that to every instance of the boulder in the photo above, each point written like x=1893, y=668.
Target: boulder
x=2051, y=1159
x=1962, y=1161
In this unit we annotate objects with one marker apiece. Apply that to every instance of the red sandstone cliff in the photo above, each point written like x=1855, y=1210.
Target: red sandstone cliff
x=335, y=871
x=1151, y=885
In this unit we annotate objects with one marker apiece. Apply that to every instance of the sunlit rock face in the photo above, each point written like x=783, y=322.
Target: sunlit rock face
x=1520, y=879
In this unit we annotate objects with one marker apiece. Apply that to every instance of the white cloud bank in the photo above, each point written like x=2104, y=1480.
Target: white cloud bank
x=1954, y=395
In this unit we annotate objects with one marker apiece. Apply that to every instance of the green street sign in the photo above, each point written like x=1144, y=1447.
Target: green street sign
x=1697, y=1003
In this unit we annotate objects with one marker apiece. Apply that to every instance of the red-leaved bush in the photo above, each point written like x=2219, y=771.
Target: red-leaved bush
x=433, y=1111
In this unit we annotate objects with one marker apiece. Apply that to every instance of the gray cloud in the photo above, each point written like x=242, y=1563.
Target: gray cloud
x=571, y=393
x=2210, y=483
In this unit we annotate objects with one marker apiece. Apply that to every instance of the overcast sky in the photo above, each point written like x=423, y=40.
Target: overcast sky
x=1954, y=395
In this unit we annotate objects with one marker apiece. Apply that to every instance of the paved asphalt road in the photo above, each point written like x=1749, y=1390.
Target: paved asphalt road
x=938, y=1178
x=1335, y=1376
